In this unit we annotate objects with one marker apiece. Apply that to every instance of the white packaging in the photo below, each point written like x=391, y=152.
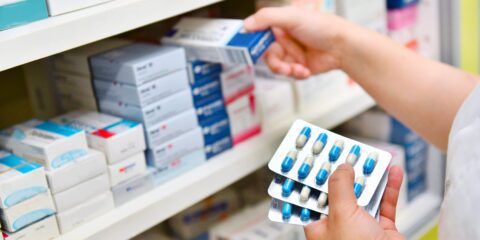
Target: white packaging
x=171, y=128
x=371, y=14
x=19, y=179
x=72, y=102
x=76, y=60
x=219, y=40
x=428, y=28
x=177, y=166
x=57, y=7
x=244, y=118
x=85, y=212
x=161, y=156
x=68, y=83
x=132, y=188
x=45, y=229
x=117, y=138
x=237, y=80
x=137, y=63
x=275, y=100
x=81, y=193
x=127, y=169
x=153, y=113
x=78, y=171
x=27, y=212
x=48, y=143
x=144, y=94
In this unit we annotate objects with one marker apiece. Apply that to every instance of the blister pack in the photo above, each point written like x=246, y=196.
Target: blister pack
x=306, y=158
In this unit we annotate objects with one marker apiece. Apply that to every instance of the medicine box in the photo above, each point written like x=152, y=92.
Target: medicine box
x=237, y=81
x=18, y=12
x=219, y=40
x=275, y=99
x=145, y=94
x=206, y=88
x=80, y=170
x=85, y=212
x=127, y=169
x=201, y=70
x=244, y=118
x=137, y=63
x=57, y=7
x=76, y=60
x=46, y=228
x=218, y=146
x=27, y=212
x=153, y=113
x=50, y=144
x=396, y=4
x=171, y=128
x=81, y=193
x=117, y=138
x=67, y=84
x=19, y=179
x=162, y=155
x=132, y=188
x=215, y=128
x=210, y=107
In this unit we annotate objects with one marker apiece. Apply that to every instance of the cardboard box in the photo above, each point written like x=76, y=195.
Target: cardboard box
x=171, y=128
x=274, y=99
x=210, y=107
x=27, y=212
x=162, y=155
x=50, y=144
x=137, y=63
x=82, y=192
x=215, y=128
x=201, y=70
x=218, y=146
x=117, y=138
x=68, y=84
x=127, y=169
x=85, y=212
x=19, y=180
x=57, y=7
x=18, y=12
x=219, y=40
x=45, y=229
x=153, y=113
x=244, y=118
x=132, y=188
x=76, y=172
x=237, y=81
x=206, y=88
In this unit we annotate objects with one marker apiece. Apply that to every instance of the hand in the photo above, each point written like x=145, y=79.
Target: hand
x=307, y=42
x=347, y=220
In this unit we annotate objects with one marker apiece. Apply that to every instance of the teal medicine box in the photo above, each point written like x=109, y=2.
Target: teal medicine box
x=18, y=12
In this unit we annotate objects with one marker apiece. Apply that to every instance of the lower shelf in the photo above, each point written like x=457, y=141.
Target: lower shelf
x=185, y=190
x=419, y=216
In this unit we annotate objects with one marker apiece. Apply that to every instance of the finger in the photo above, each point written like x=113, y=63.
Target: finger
x=388, y=205
x=292, y=47
x=275, y=60
x=316, y=230
x=341, y=198
x=300, y=71
x=282, y=17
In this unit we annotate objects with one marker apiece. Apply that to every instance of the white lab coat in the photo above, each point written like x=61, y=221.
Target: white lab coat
x=460, y=216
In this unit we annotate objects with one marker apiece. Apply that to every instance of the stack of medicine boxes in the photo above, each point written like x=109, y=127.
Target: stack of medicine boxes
x=149, y=84
x=25, y=199
x=208, y=100
x=123, y=143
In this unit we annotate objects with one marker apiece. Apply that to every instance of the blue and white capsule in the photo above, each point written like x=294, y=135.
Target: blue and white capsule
x=305, y=194
x=353, y=155
x=370, y=163
x=336, y=151
x=322, y=200
x=319, y=143
x=287, y=187
x=358, y=186
x=303, y=137
x=289, y=161
x=286, y=211
x=305, y=215
x=323, y=173
x=305, y=168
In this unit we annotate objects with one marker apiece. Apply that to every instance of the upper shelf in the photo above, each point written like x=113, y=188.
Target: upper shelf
x=60, y=33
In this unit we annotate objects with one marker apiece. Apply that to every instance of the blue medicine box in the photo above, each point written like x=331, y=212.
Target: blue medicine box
x=396, y=4
x=207, y=88
x=215, y=128
x=210, y=107
x=18, y=12
x=200, y=71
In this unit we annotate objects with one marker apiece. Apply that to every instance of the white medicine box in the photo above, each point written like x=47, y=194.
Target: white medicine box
x=57, y=7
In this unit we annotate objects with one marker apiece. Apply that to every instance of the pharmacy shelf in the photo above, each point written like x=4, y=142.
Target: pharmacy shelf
x=419, y=216
x=60, y=33
x=183, y=191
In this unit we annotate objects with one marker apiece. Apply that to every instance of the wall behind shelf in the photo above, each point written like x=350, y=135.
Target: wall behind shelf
x=14, y=102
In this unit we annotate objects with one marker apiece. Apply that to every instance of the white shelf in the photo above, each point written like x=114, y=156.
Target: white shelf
x=419, y=216
x=60, y=33
x=170, y=198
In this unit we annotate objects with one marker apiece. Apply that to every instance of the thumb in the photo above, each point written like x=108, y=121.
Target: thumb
x=341, y=198
x=281, y=17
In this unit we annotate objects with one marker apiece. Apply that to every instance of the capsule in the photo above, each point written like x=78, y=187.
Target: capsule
x=289, y=161
x=305, y=215
x=306, y=167
x=286, y=211
x=319, y=144
x=323, y=173
x=336, y=151
x=303, y=137
x=287, y=187
x=370, y=163
x=305, y=194
x=353, y=155
x=322, y=200
x=358, y=186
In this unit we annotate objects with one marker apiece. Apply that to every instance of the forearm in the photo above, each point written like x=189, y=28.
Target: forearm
x=423, y=94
